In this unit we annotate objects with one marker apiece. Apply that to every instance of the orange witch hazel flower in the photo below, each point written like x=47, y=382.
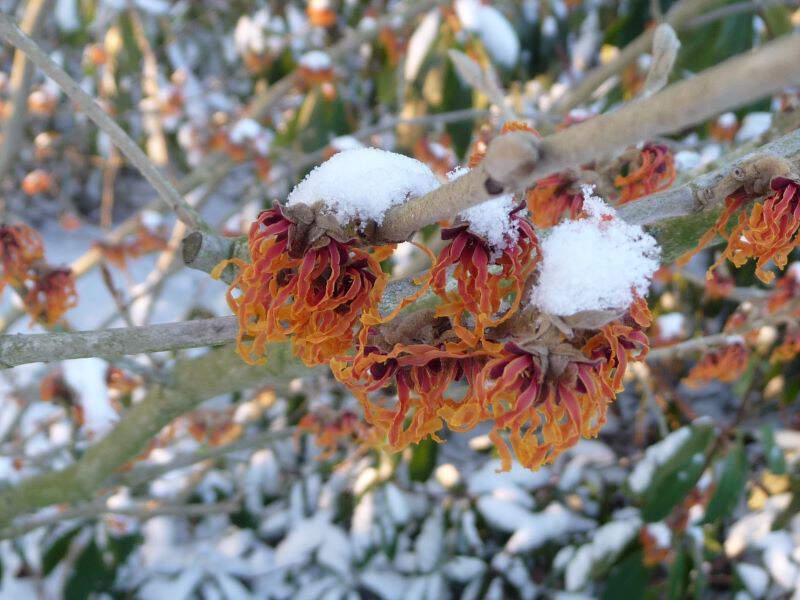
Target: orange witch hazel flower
x=422, y=375
x=487, y=273
x=51, y=295
x=332, y=431
x=787, y=288
x=723, y=364
x=315, y=299
x=20, y=247
x=769, y=233
x=652, y=170
x=553, y=197
x=789, y=348
x=548, y=400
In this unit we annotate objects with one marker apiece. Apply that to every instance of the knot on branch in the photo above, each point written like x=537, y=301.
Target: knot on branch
x=418, y=327
x=756, y=174
x=510, y=160
x=313, y=227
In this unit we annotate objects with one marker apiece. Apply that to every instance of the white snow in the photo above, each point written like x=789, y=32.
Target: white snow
x=754, y=578
x=661, y=534
x=554, y=522
x=243, y=130
x=491, y=220
x=655, y=456
x=364, y=183
x=420, y=43
x=345, y=142
x=754, y=526
x=316, y=60
x=594, y=263
x=495, y=31
x=607, y=542
x=671, y=325
x=727, y=120
x=686, y=160
x=753, y=125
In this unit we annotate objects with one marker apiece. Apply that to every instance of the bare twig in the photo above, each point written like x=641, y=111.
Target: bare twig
x=193, y=381
x=677, y=16
x=731, y=10
x=100, y=508
x=12, y=34
x=21, y=349
x=692, y=346
x=20, y=82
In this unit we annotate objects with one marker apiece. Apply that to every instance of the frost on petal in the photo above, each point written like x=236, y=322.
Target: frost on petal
x=596, y=263
x=363, y=184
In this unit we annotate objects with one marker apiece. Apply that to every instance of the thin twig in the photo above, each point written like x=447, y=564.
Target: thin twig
x=193, y=381
x=12, y=34
x=678, y=15
x=19, y=349
x=20, y=82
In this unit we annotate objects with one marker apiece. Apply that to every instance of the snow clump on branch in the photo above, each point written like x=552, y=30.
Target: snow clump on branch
x=595, y=263
x=363, y=184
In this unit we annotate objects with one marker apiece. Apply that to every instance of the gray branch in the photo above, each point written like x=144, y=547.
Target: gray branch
x=20, y=349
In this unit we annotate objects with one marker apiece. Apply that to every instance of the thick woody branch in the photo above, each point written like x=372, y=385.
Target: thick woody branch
x=12, y=34
x=516, y=160
x=194, y=380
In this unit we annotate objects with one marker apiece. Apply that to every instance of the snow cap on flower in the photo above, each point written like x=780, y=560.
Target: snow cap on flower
x=363, y=184
x=596, y=263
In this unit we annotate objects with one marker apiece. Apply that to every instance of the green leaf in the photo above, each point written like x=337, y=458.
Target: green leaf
x=678, y=578
x=455, y=96
x=776, y=461
x=778, y=19
x=673, y=479
x=731, y=484
x=90, y=575
x=423, y=460
x=57, y=550
x=122, y=546
x=715, y=42
x=628, y=579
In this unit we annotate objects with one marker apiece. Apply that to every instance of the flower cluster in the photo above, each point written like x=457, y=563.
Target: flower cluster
x=723, y=364
x=484, y=353
x=553, y=197
x=314, y=300
x=20, y=248
x=767, y=233
x=643, y=171
x=332, y=431
x=475, y=303
x=47, y=292
x=651, y=170
x=788, y=348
